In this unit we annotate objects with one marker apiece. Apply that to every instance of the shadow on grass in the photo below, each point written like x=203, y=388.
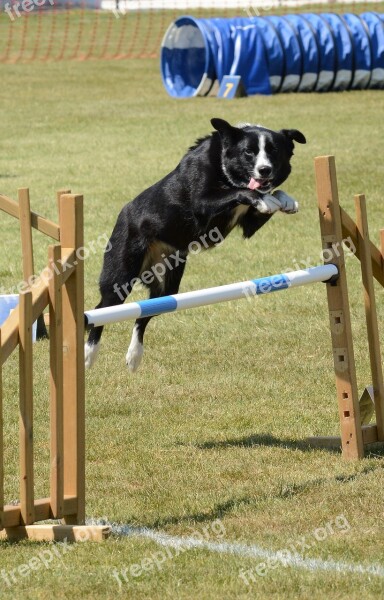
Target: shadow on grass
x=262, y=440
x=218, y=511
x=374, y=450
x=265, y=439
x=371, y=451
x=285, y=490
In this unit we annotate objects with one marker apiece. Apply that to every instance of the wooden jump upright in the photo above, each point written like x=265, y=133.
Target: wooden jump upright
x=60, y=287
x=336, y=225
x=27, y=249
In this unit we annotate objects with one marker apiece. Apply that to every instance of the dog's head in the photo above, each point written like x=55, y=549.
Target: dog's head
x=254, y=157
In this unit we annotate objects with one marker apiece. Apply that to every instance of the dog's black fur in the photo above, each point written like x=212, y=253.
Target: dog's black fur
x=202, y=193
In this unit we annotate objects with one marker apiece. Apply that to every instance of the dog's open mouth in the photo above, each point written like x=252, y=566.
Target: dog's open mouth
x=259, y=184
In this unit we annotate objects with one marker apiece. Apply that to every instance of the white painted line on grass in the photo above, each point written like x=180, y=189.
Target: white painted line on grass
x=245, y=551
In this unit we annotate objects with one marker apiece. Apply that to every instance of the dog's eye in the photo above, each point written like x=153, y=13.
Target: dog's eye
x=271, y=150
x=248, y=154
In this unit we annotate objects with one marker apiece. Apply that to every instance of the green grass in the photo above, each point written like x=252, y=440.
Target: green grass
x=211, y=426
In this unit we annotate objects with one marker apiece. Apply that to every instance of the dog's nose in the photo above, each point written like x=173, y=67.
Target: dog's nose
x=265, y=171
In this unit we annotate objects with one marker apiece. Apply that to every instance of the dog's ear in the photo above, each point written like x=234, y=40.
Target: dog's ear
x=224, y=128
x=294, y=134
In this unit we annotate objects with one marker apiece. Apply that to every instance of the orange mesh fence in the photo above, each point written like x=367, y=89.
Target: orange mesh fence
x=56, y=30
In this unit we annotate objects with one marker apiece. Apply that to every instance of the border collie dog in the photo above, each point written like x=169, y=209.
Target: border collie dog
x=226, y=179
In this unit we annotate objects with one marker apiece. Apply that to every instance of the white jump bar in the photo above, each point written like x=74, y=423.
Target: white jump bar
x=214, y=295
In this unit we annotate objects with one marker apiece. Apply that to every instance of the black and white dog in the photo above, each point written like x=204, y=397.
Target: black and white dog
x=225, y=179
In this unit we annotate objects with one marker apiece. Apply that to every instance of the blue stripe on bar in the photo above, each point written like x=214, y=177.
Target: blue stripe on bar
x=160, y=305
x=265, y=285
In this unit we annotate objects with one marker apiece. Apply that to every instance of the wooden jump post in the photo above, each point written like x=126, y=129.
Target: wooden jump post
x=60, y=287
x=336, y=225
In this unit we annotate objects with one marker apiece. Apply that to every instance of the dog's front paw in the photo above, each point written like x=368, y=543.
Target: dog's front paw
x=288, y=204
x=268, y=205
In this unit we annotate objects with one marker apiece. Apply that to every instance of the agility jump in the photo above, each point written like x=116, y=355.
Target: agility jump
x=63, y=293
x=335, y=226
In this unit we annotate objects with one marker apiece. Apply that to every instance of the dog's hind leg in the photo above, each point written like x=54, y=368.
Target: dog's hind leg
x=92, y=345
x=114, y=288
x=169, y=285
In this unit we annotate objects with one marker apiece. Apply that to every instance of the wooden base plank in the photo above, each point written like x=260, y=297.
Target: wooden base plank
x=57, y=533
x=324, y=441
x=369, y=434
x=43, y=511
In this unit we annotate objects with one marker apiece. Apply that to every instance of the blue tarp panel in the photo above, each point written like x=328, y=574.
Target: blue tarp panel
x=249, y=57
x=344, y=51
x=292, y=53
x=274, y=51
x=376, y=35
x=307, y=52
x=362, y=51
x=327, y=51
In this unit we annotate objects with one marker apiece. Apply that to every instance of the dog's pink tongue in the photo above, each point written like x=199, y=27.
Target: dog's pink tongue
x=253, y=184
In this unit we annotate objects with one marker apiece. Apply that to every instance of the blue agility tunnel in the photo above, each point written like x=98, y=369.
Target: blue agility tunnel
x=303, y=53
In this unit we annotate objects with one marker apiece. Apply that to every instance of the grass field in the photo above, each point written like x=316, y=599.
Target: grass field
x=206, y=439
